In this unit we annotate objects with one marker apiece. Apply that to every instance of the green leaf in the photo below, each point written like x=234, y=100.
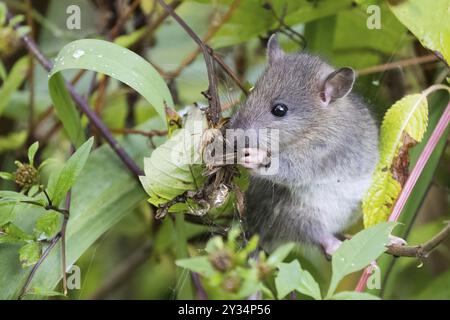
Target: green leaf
x=96, y=206
x=12, y=197
x=408, y=117
x=70, y=172
x=184, y=289
x=15, y=232
x=7, y=176
x=252, y=283
x=201, y=265
x=250, y=19
x=3, y=73
x=30, y=253
x=32, y=152
x=13, y=82
x=358, y=252
x=116, y=62
x=429, y=23
x=280, y=254
x=353, y=295
x=42, y=292
x=16, y=20
x=7, y=215
x=65, y=109
x=309, y=11
x=23, y=31
x=292, y=277
x=47, y=224
x=173, y=167
x=3, y=12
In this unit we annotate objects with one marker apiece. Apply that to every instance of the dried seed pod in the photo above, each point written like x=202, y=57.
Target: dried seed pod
x=219, y=195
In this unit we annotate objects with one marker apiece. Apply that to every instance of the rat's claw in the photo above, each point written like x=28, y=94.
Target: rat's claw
x=397, y=241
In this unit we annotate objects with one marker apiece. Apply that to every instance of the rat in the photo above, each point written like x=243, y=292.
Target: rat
x=327, y=151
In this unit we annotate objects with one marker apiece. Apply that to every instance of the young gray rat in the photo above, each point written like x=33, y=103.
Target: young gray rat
x=328, y=149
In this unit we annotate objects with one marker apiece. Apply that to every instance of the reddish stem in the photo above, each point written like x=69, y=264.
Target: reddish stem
x=410, y=183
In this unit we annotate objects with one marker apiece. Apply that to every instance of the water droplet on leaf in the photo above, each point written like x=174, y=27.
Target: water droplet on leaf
x=78, y=53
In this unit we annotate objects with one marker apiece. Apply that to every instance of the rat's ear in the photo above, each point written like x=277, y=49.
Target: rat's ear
x=274, y=51
x=337, y=85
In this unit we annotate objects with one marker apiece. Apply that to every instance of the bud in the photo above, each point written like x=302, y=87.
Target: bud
x=221, y=260
x=263, y=270
x=26, y=176
x=231, y=284
x=9, y=42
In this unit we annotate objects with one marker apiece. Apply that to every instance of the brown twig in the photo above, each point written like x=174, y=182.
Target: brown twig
x=46, y=252
x=420, y=251
x=397, y=64
x=228, y=71
x=63, y=241
x=201, y=293
x=209, y=34
x=213, y=112
x=150, y=134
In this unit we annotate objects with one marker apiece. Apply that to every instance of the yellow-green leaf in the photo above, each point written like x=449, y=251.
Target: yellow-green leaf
x=429, y=21
x=407, y=117
x=30, y=253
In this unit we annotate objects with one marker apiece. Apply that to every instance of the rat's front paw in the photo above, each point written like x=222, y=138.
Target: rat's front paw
x=397, y=241
x=255, y=158
x=330, y=245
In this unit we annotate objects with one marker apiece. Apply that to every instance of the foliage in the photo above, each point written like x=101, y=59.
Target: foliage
x=175, y=166
x=433, y=31
x=403, y=126
x=129, y=85
x=231, y=272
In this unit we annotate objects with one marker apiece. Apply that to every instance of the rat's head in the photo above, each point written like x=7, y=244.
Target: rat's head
x=295, y=95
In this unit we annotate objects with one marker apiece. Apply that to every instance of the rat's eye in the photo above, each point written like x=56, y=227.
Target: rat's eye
x=279, y=110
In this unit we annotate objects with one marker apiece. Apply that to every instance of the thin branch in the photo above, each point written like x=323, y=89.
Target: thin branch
x=46, y=252
x=397, y=64
x=412, y=179
x=115, y=31
x=150, y=134
x=423, y=250
x=201, y=293
x=209, y=34
x=213, y=112
x=63, y=241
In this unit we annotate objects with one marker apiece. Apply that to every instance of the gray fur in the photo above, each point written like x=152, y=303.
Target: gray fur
x=326, y=157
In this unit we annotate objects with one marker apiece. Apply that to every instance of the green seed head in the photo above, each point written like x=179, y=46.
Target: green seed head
x=26, y=176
